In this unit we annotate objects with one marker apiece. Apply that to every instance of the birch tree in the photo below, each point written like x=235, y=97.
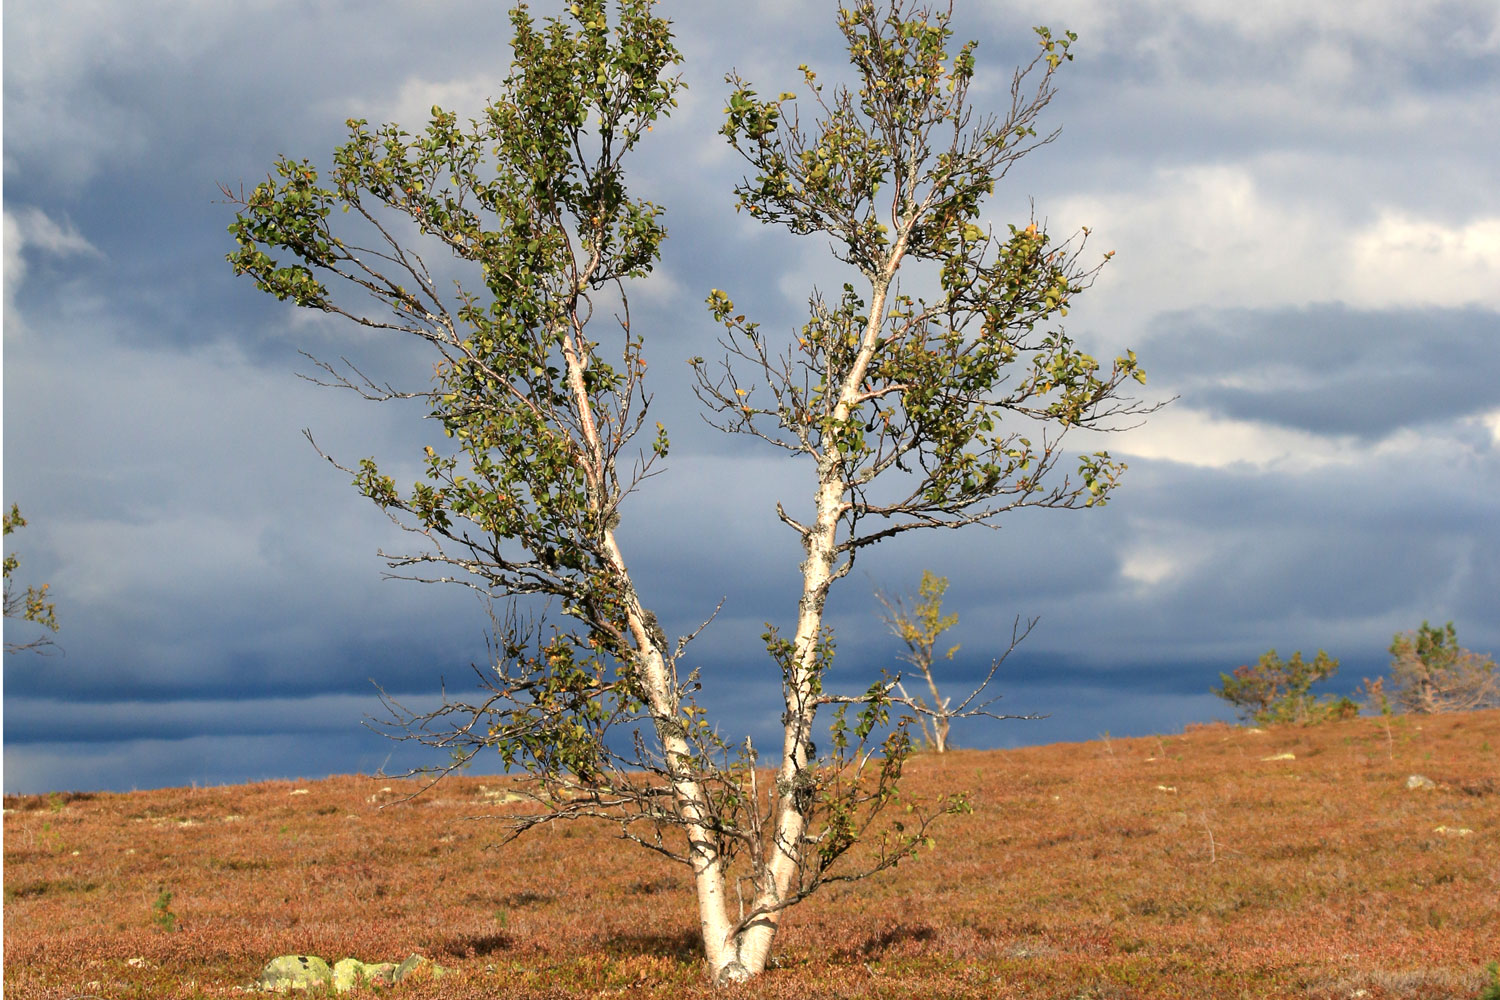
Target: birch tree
x=919, y=622
x=901, y=407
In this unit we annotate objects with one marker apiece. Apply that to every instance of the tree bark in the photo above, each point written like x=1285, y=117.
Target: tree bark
x=784, y=863
x=664, y=702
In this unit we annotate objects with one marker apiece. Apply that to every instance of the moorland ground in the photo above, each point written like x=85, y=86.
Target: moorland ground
x=1221, y=862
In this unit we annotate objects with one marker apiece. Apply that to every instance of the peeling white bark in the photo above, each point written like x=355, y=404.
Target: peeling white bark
x=664, y=702
x=784, y=862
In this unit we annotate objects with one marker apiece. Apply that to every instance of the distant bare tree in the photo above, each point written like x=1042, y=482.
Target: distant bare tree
x=1430, y=672
x=919, y=626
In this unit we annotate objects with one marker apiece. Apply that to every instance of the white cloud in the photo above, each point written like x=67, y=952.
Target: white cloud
x=1151, y=566
x=1215, y=237
x=31, y=229
x=38, y=229
x=1401, y=260
x=1198, y=236
x=659, y=287
x=1192, y=437
x=1195, y=438
x=411, y=105
x=1492, y=421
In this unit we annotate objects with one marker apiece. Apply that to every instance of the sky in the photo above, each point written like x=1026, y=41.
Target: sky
x=1304, y=204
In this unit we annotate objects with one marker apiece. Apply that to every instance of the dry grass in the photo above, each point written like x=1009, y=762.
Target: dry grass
x=1178, y=866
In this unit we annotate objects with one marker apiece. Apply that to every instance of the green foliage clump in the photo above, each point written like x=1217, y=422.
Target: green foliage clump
x=161, y=911
x=31, y=606
x=1277, y=690
x=1491, y=990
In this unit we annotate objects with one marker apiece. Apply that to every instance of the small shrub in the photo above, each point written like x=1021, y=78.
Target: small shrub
x=1431, y=672
x=1372, y=693
x=1276, y=690
x=1491, y=990
x=161, y=912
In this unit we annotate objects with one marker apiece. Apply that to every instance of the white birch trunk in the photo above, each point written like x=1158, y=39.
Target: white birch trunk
x=664, y=704
x=784, y=863
x=940, y=705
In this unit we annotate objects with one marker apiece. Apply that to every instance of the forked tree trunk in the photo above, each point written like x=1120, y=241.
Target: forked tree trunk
x=784, y=854
x=736, y=953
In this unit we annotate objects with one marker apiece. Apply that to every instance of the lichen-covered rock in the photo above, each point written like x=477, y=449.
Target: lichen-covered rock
x=350, y=973
x=383, y=973
x=419, y=967
x=294, y=972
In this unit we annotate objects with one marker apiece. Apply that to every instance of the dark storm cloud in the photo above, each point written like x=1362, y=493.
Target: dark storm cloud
x=1332, y=370
x=117, y=721
x=199, y=760
x=1340, y=556
x=1214, y=83
x=125, y=89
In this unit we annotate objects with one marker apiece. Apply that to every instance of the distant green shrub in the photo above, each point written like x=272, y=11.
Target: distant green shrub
x=1491, y=990
x=1431, y=672
x=1277, y=690
x=161, y=911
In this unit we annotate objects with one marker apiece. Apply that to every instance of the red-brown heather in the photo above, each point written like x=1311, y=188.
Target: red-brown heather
x=1205, y=864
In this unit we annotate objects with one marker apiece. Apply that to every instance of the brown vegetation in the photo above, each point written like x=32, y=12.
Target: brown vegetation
x=1200, y=865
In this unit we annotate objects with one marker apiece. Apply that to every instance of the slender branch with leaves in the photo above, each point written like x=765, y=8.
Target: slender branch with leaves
x=913, y=412
x=31, y=605
x=902, y=406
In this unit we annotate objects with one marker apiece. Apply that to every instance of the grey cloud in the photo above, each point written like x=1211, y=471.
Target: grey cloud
x=1078, y=707
x=1160, y=85
x=92, y=88
x=1340, y=557
x=1333, y=370
x=1389, y=50
x=42, y=719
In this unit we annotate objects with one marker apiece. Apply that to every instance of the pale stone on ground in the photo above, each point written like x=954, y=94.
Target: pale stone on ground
x=294, y=972
x=308, y=972
x=351, y=972
x=422, y=968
